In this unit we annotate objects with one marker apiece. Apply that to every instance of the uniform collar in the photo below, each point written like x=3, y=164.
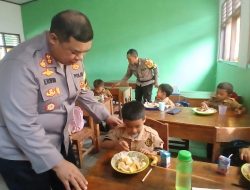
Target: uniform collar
x=138, y=137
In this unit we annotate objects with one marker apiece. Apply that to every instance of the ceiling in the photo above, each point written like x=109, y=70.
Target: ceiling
x=19, y=2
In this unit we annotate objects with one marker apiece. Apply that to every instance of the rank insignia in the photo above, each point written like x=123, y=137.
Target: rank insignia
x=150, y=64
x=43, y=63
x=48, y=58
x=48, y=72
x=53, y=91
x=75, y=66
x=148, y=142
x=50, y=107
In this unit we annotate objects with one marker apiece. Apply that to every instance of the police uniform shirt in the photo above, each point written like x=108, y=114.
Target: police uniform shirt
x=146, y=72
x=148, y=138
x=37, y=95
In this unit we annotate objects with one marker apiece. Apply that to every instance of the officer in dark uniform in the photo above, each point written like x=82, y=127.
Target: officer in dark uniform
x=40, y=81
x=146, y=73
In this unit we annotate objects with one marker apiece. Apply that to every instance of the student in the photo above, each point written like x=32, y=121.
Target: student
x=223, y=96
x=134, y=135
x=100, y=90
x=146, y=73
x=163, y=93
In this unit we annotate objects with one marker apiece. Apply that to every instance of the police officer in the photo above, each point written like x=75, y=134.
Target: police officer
x=146, y=73
x=39, y=82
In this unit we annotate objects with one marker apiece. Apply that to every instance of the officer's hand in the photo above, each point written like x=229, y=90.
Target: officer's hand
x=123, y=145
x=113, y=121
x=245, y=154
x=70, y=176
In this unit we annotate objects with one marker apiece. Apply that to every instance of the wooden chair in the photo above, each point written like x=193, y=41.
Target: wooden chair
x=90, y=132
x=117, y=96
x=161, y=128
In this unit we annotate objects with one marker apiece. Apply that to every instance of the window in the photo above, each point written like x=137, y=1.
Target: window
x=7, y=42
x=230, y=30
x=234, y=32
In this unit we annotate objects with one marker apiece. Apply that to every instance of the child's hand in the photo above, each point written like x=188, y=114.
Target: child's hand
x=238, y=111
x=245, y=154
x=204, y=105
x=123, y=145
x=147, y=152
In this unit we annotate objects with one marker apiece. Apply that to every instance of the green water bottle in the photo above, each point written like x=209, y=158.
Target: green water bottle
x=183, y=170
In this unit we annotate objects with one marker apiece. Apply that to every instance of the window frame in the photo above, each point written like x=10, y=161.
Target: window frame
x=5, y=46
x=244, y=39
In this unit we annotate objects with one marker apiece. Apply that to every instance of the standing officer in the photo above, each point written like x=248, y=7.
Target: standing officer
x=146, y=73
x=40, y=80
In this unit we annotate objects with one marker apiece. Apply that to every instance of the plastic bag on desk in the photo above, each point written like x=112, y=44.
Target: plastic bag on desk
x=182, y=103
x=76, y=121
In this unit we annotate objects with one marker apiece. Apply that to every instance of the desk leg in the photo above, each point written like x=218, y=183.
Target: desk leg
x=216, y=152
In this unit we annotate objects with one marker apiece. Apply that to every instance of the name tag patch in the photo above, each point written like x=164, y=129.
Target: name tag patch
x=49, y=81
x=78, y=75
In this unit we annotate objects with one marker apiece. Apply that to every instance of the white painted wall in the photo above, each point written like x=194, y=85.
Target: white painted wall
x=11, y=19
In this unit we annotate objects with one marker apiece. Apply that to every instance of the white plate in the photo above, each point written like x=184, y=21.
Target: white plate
x=207, y=112
x=132, y=154
x=245, y=170
x=149, y=105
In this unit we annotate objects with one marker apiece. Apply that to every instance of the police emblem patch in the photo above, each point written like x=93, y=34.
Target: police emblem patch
x=50, y=107
x=148, y=142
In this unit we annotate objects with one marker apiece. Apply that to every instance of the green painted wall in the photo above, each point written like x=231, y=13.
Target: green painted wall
x=238, y=77
x=179, y=35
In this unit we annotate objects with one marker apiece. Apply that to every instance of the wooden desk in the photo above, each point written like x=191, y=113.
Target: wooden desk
x=102, y=177
x=111, y=83
x=213, y=129
x=194, y=98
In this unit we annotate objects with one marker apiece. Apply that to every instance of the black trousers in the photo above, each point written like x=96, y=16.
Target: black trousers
x=144, y=92
x=19, y=175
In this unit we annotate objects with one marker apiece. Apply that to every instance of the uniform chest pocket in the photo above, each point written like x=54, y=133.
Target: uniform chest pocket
x=49, y=98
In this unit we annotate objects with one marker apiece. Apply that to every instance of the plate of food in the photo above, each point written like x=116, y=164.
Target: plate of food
x=130, y=162
x=151, y=105
x=204, y=111
x=245, y=170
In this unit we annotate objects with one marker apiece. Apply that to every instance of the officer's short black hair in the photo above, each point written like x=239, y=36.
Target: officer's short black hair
x=166, y=88
x=226, y=86
x=133, y=110
x=98, y=82
x=70, y=23
x=132, y=52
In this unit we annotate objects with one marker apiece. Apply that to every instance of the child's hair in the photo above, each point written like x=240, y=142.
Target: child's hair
x=226, y=86
x=167, y=89
x=98, y=82
x=133, y=110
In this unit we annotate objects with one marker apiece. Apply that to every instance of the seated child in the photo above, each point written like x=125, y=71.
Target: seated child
x=163, y=93
x=134, y=135
x=100, y=90
x=223, y=96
